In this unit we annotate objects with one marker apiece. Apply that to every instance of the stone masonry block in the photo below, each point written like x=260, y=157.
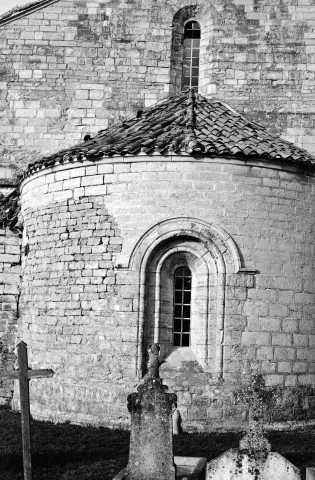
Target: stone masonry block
x=264, y=323
x=299, y=367
x=236, y=322
x=62, y=195
x=55, y=186
x=290, y=380
x=282, y=353
x=60, y=175
x=77, y=172
x=305, y=298
x=268, y=367
x=122, y=168
x=92, y=180
x=305, y=354
x=13, y=249
x=9, y=278
x=95, y=190
x=256, y=338
x=91, y=170
x=284, y=339
x=289, y=325
x=105, y=168
x=12, y=289
x=71, y=183
x=255, y=308
x=300, y=340
x=278, y=310
x=306, y=379
x=273, y=380
x=7, y=258
x=284, y=367
x=307, y=326
x=264, y=353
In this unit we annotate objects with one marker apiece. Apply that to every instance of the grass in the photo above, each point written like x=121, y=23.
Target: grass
x=70, y=452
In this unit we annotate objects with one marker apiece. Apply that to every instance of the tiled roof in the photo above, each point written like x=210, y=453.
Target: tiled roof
x=190, y=124
x=26, y=9
x=186, y=124
x=9, y=211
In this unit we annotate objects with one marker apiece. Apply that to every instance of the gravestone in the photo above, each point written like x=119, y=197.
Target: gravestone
x=151, y=438
x=236, y=464
x=253, y=460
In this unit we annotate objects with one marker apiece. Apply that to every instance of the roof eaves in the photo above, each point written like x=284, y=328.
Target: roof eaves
x=9, y=211
x=24, y=10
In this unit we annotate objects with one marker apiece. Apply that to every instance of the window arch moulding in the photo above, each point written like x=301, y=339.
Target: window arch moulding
x=213, y=257
x=215, y=237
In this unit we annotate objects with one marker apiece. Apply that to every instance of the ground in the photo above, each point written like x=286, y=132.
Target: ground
x=68, y=452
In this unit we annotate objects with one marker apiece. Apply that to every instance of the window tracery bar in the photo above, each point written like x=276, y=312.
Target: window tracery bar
x=182, y=307
x=190, y=74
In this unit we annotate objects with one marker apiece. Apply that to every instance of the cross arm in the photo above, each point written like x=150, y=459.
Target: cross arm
x=40, y=373
x=14, y=374
x=11, y=375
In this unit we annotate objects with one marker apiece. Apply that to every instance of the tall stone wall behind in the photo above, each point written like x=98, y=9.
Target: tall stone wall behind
x=10, y=271
x=80, y=301
x=75, y=67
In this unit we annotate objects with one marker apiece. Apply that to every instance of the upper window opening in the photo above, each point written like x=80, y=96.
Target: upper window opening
x=182, y=307
x=190, y=75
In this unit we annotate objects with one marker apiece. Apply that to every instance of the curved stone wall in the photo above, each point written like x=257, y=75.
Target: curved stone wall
x=84, y=300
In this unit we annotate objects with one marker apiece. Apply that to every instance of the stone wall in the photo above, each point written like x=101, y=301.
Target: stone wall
x=8, y=180
x=75, y=67
x=89, y=228
x=10, y=271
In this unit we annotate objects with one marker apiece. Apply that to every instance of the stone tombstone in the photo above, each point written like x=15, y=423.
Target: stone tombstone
x=253, y=460
x=151, y=439
x=236, y=464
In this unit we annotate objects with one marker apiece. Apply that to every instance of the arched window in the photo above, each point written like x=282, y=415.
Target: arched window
x=182, y=307
x=191, y=54
x=180, y=301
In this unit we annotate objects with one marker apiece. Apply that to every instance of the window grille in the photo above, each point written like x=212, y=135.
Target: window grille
x=190, y=75
x=182, y=307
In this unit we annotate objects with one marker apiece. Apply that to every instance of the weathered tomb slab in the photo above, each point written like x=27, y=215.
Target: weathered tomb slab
x=310, y=473
x=192, y=468
x=239, y=465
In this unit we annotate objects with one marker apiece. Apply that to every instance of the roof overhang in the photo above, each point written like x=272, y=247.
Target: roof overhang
x=24, y=10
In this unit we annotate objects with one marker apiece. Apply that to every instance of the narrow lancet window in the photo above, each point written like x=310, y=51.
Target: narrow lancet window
x=182, y=307
x=190, y=76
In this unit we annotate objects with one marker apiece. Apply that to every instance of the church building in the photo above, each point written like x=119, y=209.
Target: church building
x=157, y=165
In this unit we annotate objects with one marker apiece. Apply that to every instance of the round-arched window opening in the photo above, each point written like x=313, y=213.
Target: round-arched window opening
x=191, y=55
x=182, y=307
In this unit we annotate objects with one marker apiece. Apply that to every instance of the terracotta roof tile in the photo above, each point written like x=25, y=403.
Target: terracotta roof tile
x=186, y=123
